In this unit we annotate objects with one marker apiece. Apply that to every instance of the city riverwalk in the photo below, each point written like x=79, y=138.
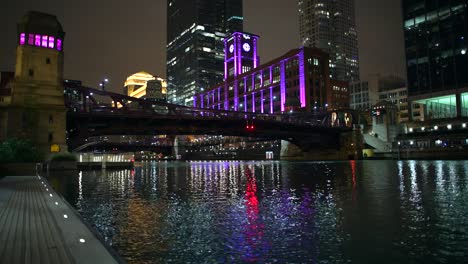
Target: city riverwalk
x=38, y=226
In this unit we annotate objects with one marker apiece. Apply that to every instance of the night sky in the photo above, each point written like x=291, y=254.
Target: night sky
x=116, y=38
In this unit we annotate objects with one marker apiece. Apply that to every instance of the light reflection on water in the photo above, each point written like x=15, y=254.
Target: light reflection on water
x=278, y=212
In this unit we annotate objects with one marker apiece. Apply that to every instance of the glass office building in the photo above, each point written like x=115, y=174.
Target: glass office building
x=195, y=55
x=436, y=33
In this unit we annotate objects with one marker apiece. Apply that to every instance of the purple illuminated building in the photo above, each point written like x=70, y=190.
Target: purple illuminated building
x=31, y=36
x=297, y=81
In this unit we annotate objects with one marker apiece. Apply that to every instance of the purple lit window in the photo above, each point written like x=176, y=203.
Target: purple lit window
x=31, y=39
x=44, y=41
x=271, y=100
x=37, y=40
x=59, y=45
x=51, y=42
x=262, y=100
x=22, y=38
x=253, y=102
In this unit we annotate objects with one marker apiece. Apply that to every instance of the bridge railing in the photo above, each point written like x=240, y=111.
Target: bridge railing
x=140, y=107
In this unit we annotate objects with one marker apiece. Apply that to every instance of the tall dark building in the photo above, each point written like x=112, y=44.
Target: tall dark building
x=195, y=55
x=436, y=34
x=330, y=26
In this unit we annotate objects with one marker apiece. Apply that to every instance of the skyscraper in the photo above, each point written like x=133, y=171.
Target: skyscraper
x=195, y=55
x=436, y=45
x=330, y=25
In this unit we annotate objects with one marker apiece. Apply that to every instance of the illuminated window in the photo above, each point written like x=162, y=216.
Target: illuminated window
x=37, y=41
x=59, y=44
x=22, y=39
x=44, y=41
x=31, y=39
x=51, y=42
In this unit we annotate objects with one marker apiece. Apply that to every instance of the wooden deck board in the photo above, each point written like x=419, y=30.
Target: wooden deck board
x=28, y=230
x=7, y=225
x=33, y=230
x=43, y=242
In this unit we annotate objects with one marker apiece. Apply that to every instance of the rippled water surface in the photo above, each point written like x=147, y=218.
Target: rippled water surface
x=278, y=212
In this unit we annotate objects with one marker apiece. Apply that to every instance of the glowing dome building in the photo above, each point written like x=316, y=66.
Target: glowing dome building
x=143, y=84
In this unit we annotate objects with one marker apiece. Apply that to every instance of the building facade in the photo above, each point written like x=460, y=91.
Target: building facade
x=37, y=111
x=399, y=98
x=364, y=95
x=331, y=26
x=5, y=87
x=436, y=35
x=297, y=81
x=195, y=33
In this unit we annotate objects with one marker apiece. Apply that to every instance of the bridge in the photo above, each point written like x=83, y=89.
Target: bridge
x=125, y=115
x=35, y=110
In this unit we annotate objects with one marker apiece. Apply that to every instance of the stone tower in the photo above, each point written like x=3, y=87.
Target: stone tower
x=37, y=111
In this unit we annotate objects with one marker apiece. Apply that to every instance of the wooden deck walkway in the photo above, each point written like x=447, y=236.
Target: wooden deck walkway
x=37, y=226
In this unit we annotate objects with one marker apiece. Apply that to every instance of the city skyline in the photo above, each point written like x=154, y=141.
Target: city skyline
x=96, y=50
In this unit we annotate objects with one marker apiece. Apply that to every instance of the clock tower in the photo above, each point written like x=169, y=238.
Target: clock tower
x=241, y=56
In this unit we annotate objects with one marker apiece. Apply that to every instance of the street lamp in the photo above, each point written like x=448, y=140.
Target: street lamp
x=103, y=84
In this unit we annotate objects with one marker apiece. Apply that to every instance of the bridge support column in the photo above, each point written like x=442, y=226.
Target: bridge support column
x=179, y=147
x=289, y=150
x=104, y=161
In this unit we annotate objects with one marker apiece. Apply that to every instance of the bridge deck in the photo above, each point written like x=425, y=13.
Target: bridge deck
x=38, y=226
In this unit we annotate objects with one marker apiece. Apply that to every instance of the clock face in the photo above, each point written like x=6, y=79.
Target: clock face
x=246, y=47
x=231, y=48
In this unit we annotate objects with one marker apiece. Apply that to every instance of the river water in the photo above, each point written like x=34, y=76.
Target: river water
x=278, y=212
